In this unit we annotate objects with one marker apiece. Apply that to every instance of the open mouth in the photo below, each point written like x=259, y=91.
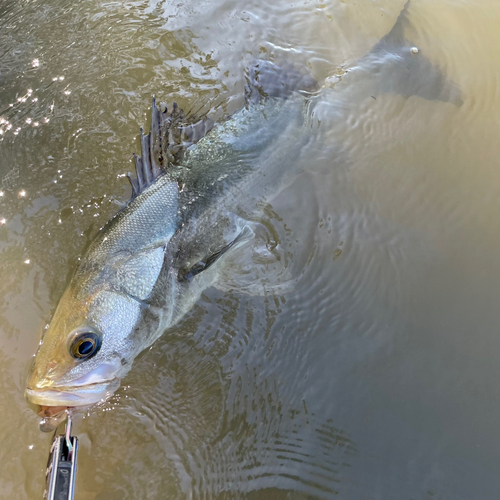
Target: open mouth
x=52, y=417
x=52, y=411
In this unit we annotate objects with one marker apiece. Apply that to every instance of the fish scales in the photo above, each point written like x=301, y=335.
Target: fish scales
x=197, y=185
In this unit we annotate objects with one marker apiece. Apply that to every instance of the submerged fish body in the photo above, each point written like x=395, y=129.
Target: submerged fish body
x=195, y=184
x=150, y=263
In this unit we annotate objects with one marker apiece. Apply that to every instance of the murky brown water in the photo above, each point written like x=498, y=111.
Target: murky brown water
x=374, y=372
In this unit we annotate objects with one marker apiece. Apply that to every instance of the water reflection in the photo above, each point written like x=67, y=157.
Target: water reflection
x=225, y=422
x=365, y=361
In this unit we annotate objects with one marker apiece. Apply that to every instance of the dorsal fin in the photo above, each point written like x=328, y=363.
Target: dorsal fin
x=172, y=132
x=265, y=79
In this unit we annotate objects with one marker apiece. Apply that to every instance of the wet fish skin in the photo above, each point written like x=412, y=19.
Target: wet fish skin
x=108, y=294
x=127, y=287
x=150, y=264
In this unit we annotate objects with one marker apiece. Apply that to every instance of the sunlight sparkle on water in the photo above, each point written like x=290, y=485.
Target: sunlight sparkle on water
x=22, y=193
x=35, y=63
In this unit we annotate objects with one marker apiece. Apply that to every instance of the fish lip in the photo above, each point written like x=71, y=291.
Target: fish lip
x=73, y=396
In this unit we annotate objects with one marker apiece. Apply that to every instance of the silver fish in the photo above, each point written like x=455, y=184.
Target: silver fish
x=195, y=183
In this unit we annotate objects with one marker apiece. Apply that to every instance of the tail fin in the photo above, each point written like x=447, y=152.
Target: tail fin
x=403, y=69
x=396, y=37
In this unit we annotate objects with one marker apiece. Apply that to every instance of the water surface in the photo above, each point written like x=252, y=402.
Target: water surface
x=356, y=355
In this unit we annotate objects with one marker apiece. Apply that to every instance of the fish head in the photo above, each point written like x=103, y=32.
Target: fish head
x=105, y=318
x=86, y=349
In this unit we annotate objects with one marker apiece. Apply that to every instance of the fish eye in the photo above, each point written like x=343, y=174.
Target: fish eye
x=84, y=345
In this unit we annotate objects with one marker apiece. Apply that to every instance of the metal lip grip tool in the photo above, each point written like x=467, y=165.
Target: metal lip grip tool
x=61, y=467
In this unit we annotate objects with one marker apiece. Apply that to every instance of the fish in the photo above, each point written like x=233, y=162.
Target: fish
x=195, y=185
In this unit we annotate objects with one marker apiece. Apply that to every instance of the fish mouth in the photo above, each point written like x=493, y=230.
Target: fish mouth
x=52, y=416
x=73, y=396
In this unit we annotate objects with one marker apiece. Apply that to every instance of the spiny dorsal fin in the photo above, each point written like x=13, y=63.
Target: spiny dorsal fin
x=172, y=132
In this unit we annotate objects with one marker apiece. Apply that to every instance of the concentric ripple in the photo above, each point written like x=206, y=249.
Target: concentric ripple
x=351, y=349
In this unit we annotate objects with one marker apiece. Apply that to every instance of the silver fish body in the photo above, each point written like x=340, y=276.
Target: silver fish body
x=136, y=278
x=196, y=186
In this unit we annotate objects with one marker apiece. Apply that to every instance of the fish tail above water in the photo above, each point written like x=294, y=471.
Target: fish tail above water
x=171, y=133
x=395, y=37
x=396, y=65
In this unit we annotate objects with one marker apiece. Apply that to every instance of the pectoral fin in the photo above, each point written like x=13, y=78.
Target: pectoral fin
x=188, y=273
